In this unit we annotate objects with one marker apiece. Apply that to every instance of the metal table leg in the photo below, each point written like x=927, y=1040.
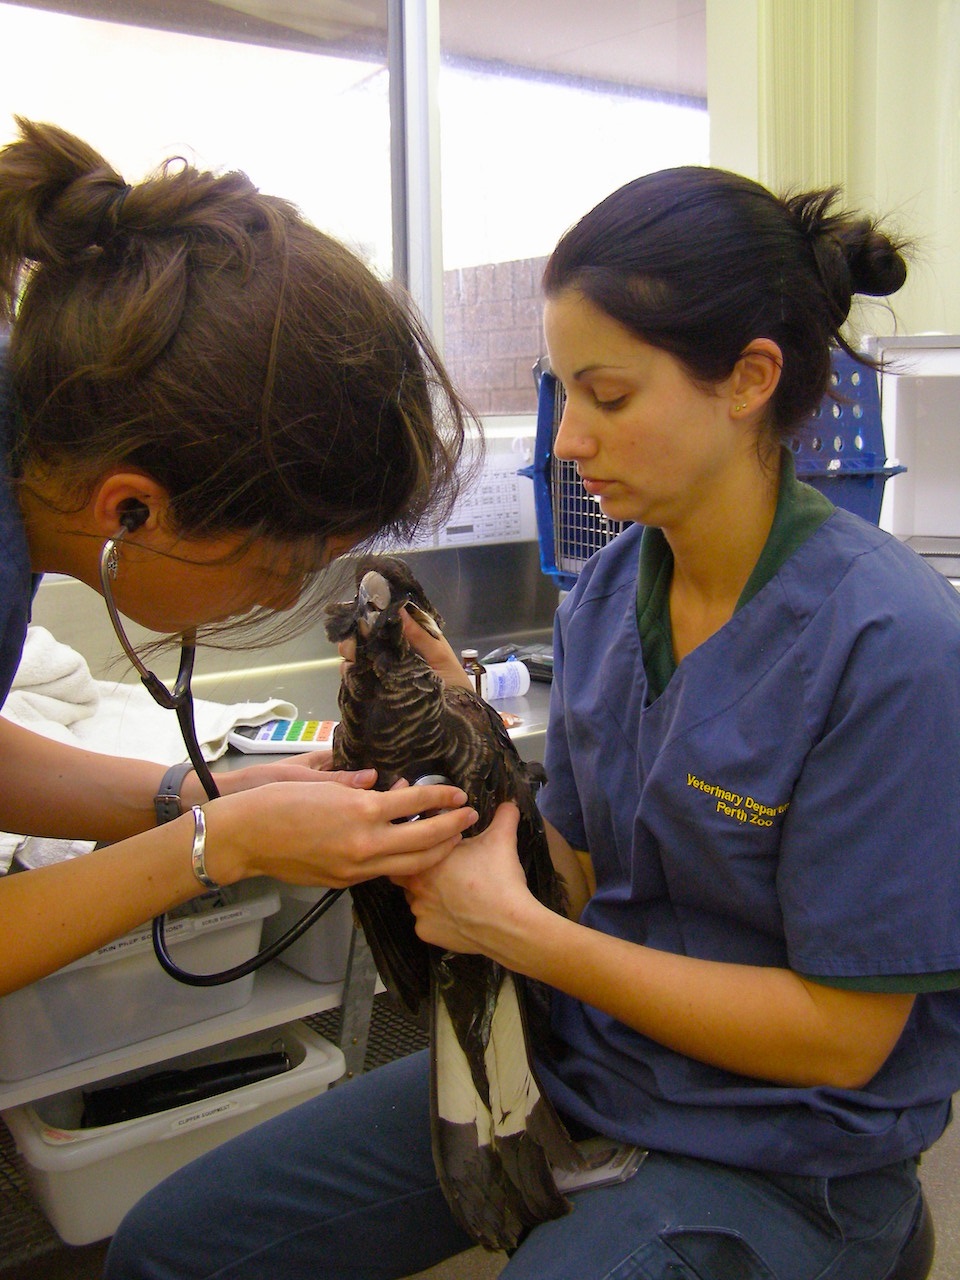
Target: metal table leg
x=356, y=1005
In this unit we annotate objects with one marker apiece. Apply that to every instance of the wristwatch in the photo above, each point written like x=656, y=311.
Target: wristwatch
x=167, y=800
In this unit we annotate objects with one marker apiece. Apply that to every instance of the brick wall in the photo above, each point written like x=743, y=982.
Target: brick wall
x=492, y=319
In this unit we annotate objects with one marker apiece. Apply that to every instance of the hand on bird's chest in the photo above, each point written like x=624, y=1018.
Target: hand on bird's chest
x=461, y=903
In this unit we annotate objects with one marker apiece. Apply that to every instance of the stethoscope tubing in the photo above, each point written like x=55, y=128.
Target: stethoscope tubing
x=247, y=966
x=180, y=700
x=186, y=720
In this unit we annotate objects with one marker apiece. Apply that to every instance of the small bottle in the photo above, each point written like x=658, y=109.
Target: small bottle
x=474, y=669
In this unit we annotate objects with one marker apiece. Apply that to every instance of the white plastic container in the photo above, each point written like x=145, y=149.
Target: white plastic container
x=119, y=994
x=320, y=953
x=504, y=680
x=87, y=1179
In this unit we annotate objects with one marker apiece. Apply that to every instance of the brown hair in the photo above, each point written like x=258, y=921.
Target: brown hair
x=209, y=335
x=700, y=261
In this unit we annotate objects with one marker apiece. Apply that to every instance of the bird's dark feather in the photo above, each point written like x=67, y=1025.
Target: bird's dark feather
x=398, y=716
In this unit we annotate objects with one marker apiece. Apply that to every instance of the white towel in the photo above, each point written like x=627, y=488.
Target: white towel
x=53, y=684
x=54, y=694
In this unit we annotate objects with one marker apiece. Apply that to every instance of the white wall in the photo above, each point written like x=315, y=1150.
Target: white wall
x=865, y=93
x=906, y=119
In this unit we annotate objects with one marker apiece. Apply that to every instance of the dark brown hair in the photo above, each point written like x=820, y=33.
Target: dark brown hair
x=208, y=334
x=699, y=262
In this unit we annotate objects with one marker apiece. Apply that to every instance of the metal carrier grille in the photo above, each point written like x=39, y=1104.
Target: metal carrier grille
x=579, y=526
x=570, y=524
x=392, y=1033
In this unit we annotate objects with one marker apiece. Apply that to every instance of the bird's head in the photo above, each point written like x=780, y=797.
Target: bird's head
x=384, y=586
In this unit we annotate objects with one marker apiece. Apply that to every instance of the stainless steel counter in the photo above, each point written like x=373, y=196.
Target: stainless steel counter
x=486, y=594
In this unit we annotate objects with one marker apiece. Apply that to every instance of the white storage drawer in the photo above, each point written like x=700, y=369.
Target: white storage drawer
x=87, y=1179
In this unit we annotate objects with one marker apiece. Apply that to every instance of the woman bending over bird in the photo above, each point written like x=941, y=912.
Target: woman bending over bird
x=211, y=399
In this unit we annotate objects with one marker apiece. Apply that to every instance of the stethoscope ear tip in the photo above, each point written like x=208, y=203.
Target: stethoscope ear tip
x=135, y=516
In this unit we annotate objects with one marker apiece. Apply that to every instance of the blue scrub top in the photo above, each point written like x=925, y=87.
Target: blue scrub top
x=790, y=799
x=16, y=584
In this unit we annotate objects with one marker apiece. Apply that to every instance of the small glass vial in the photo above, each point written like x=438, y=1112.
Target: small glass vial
x=474, y=668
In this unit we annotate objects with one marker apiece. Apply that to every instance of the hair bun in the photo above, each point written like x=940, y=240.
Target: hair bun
x=58, y=198
x=853, y=255
x=876, y=265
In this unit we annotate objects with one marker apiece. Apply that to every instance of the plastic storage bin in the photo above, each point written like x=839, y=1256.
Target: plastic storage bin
x=87, y=1179
x=321, y=953
x=119, y=995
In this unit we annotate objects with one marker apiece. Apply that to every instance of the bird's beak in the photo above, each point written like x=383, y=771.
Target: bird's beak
x=373, y=596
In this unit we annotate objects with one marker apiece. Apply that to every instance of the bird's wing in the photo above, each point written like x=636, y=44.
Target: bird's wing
x=402, y=959
x=496, y=773
x=494, y=1146
x=375, y=730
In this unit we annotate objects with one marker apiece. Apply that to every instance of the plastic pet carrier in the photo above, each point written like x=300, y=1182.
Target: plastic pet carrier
x=840, y=452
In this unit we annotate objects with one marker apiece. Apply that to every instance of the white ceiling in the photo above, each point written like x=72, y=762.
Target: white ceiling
x=653, y=44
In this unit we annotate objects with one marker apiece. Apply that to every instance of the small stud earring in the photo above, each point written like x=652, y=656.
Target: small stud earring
x=739, y=408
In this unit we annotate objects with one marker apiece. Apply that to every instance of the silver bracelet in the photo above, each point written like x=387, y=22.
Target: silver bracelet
x=199, y=849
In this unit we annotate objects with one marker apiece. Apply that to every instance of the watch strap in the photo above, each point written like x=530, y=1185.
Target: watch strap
x=166, y=802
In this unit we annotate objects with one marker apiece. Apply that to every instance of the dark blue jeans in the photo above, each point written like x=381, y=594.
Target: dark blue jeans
x=343, y=1188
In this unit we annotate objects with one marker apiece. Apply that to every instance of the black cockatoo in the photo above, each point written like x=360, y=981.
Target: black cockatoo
x=495, y=1133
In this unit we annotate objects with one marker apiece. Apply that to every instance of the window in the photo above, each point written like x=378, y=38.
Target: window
x=546, y=106
x=300, y=104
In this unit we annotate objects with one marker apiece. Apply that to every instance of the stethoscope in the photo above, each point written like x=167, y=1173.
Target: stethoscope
x=180, y=700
